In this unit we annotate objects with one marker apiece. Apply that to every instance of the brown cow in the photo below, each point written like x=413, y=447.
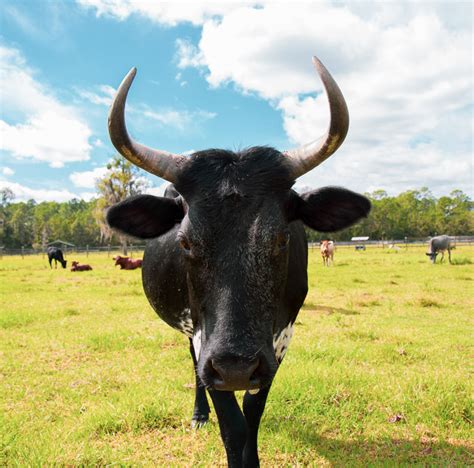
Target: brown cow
x=327, y=252
x=77, y=267
x=127, y=263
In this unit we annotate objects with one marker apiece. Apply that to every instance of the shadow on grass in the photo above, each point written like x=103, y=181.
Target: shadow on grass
x=383, y=451
x=327, y=310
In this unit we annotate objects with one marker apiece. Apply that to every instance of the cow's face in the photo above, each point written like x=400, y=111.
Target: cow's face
x=235, y=212
x=234, y=238
x=432, y=256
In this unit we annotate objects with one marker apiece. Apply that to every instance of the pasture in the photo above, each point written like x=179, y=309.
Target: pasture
x=379, y=371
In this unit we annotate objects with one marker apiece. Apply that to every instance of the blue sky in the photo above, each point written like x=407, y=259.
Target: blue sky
x=233, y=75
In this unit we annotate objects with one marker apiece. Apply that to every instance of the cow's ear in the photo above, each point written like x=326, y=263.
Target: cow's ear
x=145, y=216
x=330, y=208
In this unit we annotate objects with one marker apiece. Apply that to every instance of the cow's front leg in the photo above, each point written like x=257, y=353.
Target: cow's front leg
x=253, y=409
x=201, y=406
x=232, y=426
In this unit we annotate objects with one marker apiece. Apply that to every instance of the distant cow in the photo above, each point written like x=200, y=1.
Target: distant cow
x=439, y=244
x=57, y=255
x=77, y=267
x=327, y=252
x=127, y=263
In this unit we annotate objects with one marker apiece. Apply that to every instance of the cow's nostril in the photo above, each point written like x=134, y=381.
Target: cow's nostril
x=254, y=370
x=213, y=373
x=257, y=373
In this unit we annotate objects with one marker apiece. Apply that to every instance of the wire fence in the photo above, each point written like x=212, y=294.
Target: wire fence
x=132, y=250
x=137, y=249
x=405, y=243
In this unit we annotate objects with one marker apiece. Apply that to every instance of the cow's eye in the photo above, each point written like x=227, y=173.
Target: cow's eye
x=184, y=243
x=281, y=242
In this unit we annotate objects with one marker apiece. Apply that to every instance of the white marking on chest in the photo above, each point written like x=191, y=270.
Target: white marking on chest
x=186, y=324
x=197, y=343
x=281, y=342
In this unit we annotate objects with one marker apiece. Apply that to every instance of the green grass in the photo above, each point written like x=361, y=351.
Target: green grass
x=90, y=376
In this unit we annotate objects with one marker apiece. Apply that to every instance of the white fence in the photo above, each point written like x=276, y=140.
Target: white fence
x=405, y=243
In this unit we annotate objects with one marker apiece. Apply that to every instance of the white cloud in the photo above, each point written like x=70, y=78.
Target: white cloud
x=23, y=193
x=181, y=120
x=6, y=171
x=103, y=96
x=35, y=124
x=405, y=69
x=87, y=179
x=188, y=55
x=166, y=13
x=168, y=117
x=407, y=78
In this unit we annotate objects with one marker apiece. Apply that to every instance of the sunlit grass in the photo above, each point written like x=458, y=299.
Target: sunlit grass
x=379, y=370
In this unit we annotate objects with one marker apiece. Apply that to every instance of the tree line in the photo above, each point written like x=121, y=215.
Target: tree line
x=412, y=214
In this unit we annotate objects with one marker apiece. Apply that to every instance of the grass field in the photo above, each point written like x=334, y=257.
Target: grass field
x=379, y=372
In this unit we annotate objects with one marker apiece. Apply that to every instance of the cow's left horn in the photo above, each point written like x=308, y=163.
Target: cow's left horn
x=308, y=156
x=161, y=163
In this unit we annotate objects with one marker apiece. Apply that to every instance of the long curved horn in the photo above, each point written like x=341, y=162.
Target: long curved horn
x=308, y=156
x=161, y=163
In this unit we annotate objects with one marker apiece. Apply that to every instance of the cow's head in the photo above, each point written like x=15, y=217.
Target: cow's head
x=432, y=256
x=120, y=260
x=234, y=212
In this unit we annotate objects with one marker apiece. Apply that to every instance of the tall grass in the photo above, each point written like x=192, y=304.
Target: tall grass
x=379, y=371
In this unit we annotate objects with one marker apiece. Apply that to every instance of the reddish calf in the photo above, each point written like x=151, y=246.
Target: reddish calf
x=77, y=267
x=126, y=263
x=327, y=252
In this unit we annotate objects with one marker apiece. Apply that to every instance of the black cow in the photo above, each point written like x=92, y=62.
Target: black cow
x=57, y=255
x=227, y=257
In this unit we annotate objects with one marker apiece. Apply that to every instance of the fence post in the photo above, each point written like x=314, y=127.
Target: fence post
x=22, y=251
x=406, y=243
x=108, y=251
x=87, y=250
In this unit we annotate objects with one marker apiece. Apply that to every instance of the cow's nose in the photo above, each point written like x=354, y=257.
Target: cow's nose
x=234, y=373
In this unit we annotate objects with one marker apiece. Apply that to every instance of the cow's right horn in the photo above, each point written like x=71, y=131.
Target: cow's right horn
x=161, y=163
x=312, y=154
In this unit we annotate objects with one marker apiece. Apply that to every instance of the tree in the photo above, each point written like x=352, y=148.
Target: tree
x=120, y=182
x=6, y=196
x=455, y=215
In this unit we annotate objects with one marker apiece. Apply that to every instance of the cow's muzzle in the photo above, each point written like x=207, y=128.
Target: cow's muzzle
x=231, y=373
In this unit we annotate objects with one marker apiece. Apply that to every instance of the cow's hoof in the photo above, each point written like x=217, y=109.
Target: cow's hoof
x=199, y=421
